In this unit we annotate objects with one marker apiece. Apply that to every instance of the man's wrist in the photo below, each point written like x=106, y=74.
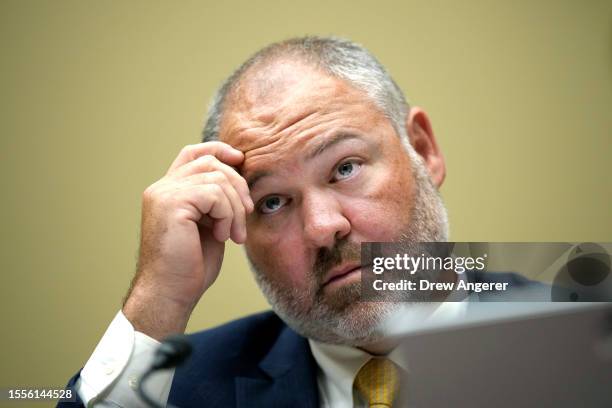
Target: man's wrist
x=156, y=315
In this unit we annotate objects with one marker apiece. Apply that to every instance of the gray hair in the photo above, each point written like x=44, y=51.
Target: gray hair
x=341, y=58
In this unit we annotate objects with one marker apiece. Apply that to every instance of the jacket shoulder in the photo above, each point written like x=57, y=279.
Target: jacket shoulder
x=248, y=358
x=258, y=327
x=237, y=345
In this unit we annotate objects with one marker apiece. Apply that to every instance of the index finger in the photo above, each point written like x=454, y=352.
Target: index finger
x=222, y=151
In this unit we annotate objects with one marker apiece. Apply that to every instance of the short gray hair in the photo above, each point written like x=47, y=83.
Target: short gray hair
x=341, y=58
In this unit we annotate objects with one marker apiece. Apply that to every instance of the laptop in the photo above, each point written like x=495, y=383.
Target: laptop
x=513, y=355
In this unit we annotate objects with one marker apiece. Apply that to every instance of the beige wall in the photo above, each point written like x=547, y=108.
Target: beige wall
x=99, y=96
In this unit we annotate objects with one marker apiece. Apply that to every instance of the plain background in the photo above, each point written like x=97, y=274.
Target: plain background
x=99, y=96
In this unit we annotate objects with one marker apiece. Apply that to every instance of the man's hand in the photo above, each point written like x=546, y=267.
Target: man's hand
x=186, y=218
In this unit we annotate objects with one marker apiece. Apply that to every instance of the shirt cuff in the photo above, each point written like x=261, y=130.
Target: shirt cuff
x=119, y=360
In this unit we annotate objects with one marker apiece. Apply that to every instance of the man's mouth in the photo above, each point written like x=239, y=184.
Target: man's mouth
x=342, y=274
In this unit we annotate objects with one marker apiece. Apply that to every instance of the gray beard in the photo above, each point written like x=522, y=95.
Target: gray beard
x=358, y=323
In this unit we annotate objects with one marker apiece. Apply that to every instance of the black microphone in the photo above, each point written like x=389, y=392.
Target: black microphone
x=172, y=352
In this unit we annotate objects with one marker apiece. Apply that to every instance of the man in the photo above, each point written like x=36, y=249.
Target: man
x=309, y=149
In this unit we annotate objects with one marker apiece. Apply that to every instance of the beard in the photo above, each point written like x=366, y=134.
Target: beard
x=341, y=317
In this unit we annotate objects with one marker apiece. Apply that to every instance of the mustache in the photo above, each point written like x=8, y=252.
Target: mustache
x=328, y=258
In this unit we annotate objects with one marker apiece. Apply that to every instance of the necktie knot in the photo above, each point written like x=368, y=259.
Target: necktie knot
x=378, y=382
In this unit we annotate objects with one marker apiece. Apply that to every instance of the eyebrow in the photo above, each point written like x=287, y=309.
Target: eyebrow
x=256, y=177
x=314, y=152
x=329, y=142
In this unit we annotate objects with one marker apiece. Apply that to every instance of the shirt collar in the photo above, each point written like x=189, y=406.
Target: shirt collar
x=340, y=364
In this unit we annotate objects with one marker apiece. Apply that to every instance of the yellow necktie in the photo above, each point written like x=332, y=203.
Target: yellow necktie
x=378, y=382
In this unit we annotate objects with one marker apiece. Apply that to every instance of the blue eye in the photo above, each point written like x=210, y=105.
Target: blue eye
x=346, y=170
x=272, y=204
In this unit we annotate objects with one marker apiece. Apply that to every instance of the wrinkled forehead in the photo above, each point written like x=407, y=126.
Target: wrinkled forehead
x=287, y=104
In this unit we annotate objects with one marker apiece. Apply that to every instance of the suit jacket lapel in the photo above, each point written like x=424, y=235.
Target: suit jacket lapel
x=289, y=377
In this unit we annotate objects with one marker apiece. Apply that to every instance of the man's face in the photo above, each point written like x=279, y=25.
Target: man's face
x=327, y=171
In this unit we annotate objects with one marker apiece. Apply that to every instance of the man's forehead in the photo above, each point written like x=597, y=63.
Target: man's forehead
x=266, y=83
x=274, y=93
x=279, y=113
x=272, y=99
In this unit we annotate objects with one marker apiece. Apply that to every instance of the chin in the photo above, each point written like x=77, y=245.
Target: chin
x=337, y=317
x=364, y=323
x=357, y=324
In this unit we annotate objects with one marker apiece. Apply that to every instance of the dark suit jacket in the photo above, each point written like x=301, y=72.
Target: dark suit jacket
x=257, y=361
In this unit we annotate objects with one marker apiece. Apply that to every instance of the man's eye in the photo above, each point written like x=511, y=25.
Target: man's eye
x=272, y=204
x=346, y=170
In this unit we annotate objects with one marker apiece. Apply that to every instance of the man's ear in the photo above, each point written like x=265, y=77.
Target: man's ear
x=424, y=142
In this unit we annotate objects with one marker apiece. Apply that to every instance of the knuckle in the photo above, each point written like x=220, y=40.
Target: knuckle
x=207, y=161
x=187, y=148
x=165, y=197
x=215, y=190
x=218, y=177
x=149, y=192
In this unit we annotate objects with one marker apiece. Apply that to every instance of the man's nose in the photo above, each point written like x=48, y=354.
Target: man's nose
x=324, y=221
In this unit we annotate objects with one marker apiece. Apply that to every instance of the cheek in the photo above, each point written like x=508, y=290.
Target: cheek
x=379, y=221
x=280, y=255
x=385, y=211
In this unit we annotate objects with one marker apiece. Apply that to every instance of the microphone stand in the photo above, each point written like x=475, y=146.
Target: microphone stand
x=172, y=352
